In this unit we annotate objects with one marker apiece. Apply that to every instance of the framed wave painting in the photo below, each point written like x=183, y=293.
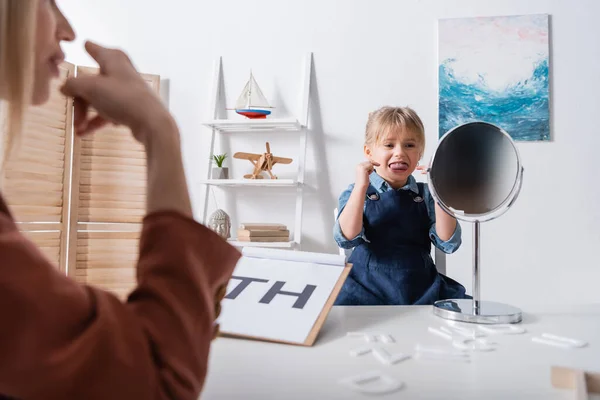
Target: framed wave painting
x=495, y=69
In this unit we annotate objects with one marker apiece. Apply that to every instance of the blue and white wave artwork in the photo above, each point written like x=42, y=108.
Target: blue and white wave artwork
x=520, y=109
x=513, y=96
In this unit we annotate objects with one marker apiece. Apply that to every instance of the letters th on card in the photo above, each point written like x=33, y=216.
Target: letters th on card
x=277, y=299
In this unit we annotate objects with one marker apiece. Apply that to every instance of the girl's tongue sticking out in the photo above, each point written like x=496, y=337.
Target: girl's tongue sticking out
x=400, y=166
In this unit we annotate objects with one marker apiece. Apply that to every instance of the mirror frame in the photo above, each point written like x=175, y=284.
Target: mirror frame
x=502, y=207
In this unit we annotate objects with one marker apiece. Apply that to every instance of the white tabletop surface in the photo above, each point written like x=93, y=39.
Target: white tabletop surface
x=517, y=369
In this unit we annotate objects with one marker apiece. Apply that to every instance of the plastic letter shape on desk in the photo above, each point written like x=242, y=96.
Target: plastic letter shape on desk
x=372, y=383
x=461, y=331
x=384, y=357
x=559, y=341
x=440, y=333
x=474, y=344
x=387, y=338
x=360, y=351
x=502, y=329
x=355, y=334
x=441, y=354
x=373, y=338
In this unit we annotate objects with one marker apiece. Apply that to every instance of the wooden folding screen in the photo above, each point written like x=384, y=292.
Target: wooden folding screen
x=81, y=200
x=37, y=175
x=108, y=203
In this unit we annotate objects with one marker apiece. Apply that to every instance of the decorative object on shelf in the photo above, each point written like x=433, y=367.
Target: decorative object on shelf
x=263, y=233
x=220, y=223
x=296, y=123
x=252, y=103
x=220, y=172
x=262, y=162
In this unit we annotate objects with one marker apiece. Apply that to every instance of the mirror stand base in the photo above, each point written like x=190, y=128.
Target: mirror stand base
x=487, y=312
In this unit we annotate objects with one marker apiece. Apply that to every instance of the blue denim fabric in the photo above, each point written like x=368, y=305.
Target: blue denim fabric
x=448, y=247
x=395, y=267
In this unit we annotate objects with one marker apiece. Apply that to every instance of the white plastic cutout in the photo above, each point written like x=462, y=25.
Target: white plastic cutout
x=440, y=350
x=475, y=344
x=360, y=351
x=387, y=338
x=507, y=329
x=441, y=354
x=372, y=383
x=384, y=357
x=462, y=331
x=355, y=334
x=559, y=341
x=442, y=357
x=373, y=338
x=440, y=333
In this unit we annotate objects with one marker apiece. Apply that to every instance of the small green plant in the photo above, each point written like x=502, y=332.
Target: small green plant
x=218, y=159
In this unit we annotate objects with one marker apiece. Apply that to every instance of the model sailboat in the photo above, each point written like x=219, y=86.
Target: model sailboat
x=252, y=103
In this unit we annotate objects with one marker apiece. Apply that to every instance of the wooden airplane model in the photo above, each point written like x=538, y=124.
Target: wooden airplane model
x=262, y=162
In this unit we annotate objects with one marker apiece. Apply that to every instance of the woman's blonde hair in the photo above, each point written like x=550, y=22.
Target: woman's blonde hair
x=387, y=120
x=17, y=56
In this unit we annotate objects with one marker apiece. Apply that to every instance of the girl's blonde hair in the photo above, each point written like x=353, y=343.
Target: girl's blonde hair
x=17, y=56
x=387, y=120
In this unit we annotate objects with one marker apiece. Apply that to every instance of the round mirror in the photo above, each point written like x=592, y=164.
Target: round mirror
x=476, y=175
x=476, y=172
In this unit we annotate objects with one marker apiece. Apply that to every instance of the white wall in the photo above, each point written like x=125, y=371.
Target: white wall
x=368, y=54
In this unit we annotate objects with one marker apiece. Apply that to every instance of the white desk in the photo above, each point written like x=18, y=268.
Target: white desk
x=518, y=369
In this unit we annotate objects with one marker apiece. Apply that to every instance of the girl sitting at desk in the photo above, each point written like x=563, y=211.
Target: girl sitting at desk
x=391, y=220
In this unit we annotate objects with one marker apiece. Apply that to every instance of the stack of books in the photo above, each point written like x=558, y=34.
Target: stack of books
x=251, y=232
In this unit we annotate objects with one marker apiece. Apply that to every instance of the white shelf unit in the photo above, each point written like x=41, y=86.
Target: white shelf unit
x=278, y=245
x=251, y=182
x=256, y=125
x=295, y=126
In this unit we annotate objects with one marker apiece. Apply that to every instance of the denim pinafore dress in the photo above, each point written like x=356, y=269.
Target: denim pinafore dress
x=395, y=266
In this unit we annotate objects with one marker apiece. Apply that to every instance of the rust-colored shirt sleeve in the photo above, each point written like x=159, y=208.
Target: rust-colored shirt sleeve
x=63, y=340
